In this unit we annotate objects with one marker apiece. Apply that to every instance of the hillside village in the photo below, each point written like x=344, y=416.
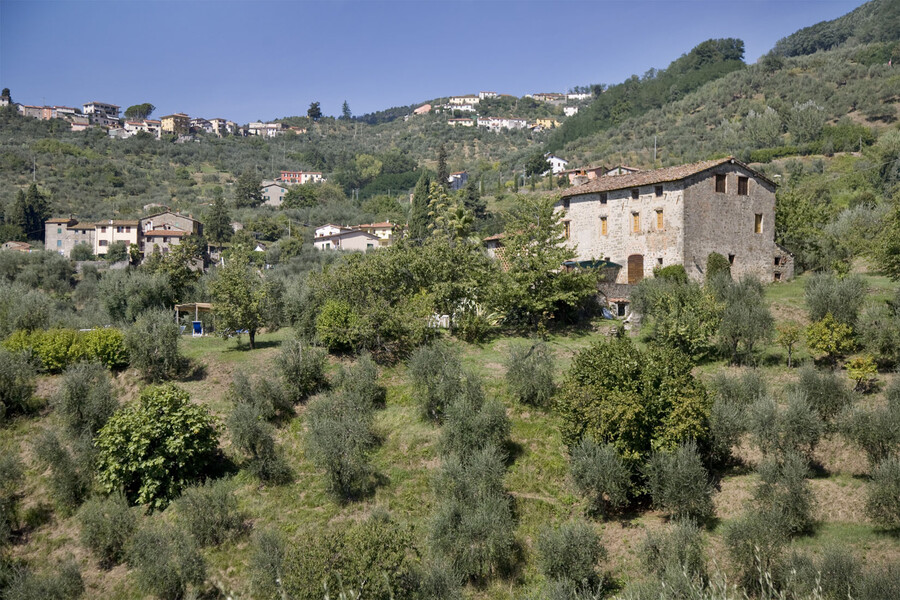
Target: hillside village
x=639, y=341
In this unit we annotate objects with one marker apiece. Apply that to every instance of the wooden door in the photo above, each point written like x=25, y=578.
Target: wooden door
x=635, y=268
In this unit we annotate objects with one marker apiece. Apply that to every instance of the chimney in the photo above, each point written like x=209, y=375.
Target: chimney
x=579, y=179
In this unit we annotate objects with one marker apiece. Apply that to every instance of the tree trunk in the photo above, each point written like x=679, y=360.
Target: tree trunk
x=252, y=339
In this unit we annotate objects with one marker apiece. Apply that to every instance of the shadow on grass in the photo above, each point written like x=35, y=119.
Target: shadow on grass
x=244, y=346
x=191, y=370
x=514, y=451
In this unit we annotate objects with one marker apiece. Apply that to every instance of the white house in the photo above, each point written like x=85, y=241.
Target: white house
x=498, y=123
x=570, y=111
x=349, y=239
x=486, y=95
x=329, y=229
x=273, y=193
x=463, y=100
x=557, y=164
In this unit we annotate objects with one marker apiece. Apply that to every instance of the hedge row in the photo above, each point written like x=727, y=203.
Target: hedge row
x=58, y=348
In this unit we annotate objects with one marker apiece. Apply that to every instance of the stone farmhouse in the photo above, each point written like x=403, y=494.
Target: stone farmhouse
x=160, y=231
x=678, y=216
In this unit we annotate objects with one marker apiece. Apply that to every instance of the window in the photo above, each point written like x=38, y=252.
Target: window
x=165, y=240
x=635, y=222
x=777, y=261
x=59, y=230
x=777, y=276
x=743, y=186
x=128, y=230
x=103, y=229
x=659, y=219
x=119, y=229
x=565, y=203
x=758, y=223
x=59, y=243
x=567, y=230
x=104, y=242
x=635, y=193
x=368, y=246
x=731, y=259
x=658, y=190
x=720, y=184
x=659, y=261
x=603, y=197
x=603, y=226
x=327, y=245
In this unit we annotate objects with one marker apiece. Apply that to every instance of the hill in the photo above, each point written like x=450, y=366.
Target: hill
x=875, y=21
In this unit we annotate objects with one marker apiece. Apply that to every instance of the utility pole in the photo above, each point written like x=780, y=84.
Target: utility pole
x=654, y=149
x=33, y=168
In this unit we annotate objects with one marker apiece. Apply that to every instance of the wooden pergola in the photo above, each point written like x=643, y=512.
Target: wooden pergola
x=195, y=307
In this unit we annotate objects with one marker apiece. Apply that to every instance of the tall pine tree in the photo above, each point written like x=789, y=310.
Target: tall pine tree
x=30, y=211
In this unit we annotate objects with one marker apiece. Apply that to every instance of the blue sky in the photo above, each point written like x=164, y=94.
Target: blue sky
x=245, y=60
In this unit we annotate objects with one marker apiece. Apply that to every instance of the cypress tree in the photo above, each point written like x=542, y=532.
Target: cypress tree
x=443, y=171
x=418, y=215
x=218, y=223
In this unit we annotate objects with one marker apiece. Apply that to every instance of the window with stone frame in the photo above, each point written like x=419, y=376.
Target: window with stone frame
x=658, y=191
x=659, y=219
x=635, y=222
x=603, y=226
x=567, y=229
x=743, y=186
x=758, y=223
x=635, y=193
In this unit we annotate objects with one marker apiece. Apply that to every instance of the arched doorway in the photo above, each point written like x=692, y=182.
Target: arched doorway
x=635, y=268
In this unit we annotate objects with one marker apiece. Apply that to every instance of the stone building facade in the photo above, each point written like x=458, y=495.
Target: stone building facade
x=62, y=235
x=678, y=215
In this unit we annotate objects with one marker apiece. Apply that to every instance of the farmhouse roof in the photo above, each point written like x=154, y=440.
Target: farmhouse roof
x=641, y=178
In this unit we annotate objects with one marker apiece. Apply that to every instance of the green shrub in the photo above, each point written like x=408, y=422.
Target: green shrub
x=745, y=319
x=11, y=478
x=876, y=430
x=62, y=582
x=338, y=326
x=437, y=378
x=82, y=252
x=16, y=383
x=834, y=576
x=754, y=547
x=601, y=475
x=361, y=381
x=210, y=512
x=827, y=393
x=474, y=324
x=675, y=551
x=732, y=397
x=152, y=344
x=674, y=273
x=156, y=445
x=636, y=400
x=106, y=346
x=302, y=369
x=166, y=561
x=570, y=551
x=742, y=390
x=254, y=437
x=439, y=581
x=878, y=330
x=784, y=495
x=107, y=525
x=717, y=265
x=377, y=556
x=529, y=373
x=85, y=399
x=679, y=484
x=339, y=439
x=471, y=423
x=683, y=316
x=883, y=499
x=265, y=395
x=826, y=293
x=795, y=428
x=69, y=481
x=881, y=582
x=473, y=527
x=267, y=558
x=57, y=348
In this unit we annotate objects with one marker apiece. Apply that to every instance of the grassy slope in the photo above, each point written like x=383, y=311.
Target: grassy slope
x=537, y=477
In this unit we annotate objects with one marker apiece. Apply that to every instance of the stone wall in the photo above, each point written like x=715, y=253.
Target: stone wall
x=726, y=222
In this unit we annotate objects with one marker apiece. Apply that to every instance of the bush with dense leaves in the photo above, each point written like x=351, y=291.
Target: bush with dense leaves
x=254, y=437
x=732, y=395
x=716, y=266
x=166, y=561
x=16, y=383
x=745, y=318
x=472, y=423
x=636, y=400
x=361, y=381
x=826, y=293
x=794, y=428
x=875, y=430
x=679, y=484
x=85, y=399
x=62, y=582
x=754, y=547
x=107, y=525
x=681, y=315
x=437, y=377
x=11, y=477
x=267, y=558
x=106, y=346
x=377, y=556
x=784, y=495
x=675, y=551
x=152, y=344
x=835, y=575
x=883, y=498
x=70, y=472
x=56, y=349
x=529, y=373
x=156, y=445
x=601, y=475
x=825, y=391
x=339, y=439
x=570, y=551
x=210, y=512
x=473, y=526
x=302, y=369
